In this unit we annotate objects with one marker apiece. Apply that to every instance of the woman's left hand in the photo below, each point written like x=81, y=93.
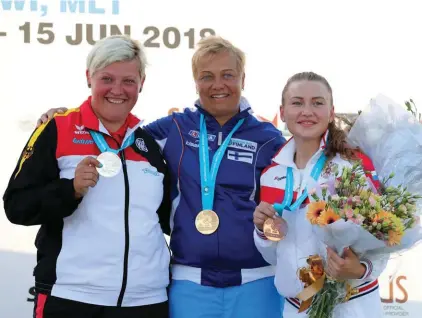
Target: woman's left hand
x=346, y=267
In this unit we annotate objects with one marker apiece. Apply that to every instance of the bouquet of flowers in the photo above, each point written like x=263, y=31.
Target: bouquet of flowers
x=348, y=211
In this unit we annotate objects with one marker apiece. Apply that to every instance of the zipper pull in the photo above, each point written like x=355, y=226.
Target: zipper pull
x=220, y=138
x=122, y=156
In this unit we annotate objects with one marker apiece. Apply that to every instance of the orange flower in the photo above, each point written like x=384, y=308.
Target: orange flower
x=314, y=211
x=394, y=238
x=382, y=216
x=328, y=217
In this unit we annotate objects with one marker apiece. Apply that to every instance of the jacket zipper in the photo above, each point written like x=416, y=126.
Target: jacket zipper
x=126, y=255
x=220, y=138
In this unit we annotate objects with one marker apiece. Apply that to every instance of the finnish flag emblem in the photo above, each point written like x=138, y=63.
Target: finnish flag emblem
x=240, y=156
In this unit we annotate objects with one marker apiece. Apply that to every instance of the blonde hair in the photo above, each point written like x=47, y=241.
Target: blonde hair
x=336, y=142
x=213, y=45
x=115, y=48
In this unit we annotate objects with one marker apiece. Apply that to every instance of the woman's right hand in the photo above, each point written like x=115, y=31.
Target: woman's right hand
x=50, y=114
x=262, y=212
x=86, y=175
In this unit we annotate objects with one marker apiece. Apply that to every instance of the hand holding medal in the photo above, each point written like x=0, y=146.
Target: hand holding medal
x=111, y=164
x=267, y=219
x=275, y=228
x=86, y=176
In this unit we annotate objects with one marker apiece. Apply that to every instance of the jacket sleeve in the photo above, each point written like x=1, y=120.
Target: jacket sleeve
x=35, y=193
x=272, y=147
x=160, y=129
x=375, y=265
x=267, y=248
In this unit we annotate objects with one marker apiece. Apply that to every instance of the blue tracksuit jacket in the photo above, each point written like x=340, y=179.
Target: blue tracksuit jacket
x=228, y=257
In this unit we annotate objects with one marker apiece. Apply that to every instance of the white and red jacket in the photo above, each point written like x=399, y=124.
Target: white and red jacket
x=290, y=254
x=107, y=248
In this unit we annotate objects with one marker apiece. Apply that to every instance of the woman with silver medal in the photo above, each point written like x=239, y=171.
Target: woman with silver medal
x=283, y=234
x=96, y=182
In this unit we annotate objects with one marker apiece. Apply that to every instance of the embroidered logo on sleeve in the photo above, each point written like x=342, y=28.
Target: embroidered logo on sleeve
x=140, y=143
x=27, y=152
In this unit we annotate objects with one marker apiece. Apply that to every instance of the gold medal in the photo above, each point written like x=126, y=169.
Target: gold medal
x=275, y=229
x=207, y=222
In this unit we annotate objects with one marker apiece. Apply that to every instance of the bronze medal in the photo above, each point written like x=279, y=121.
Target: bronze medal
x=274, y=229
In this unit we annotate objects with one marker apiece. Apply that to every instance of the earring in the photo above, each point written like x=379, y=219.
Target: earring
x=89, y=85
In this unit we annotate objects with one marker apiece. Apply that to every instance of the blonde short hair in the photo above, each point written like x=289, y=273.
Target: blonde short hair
x=115, y=48
x=213, y=45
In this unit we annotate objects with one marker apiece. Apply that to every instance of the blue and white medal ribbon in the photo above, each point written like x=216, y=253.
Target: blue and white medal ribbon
x=288, y=193
x=275, y=229
x=207, y=220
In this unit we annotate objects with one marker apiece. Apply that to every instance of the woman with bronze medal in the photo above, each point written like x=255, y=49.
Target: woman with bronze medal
x=283, y=234
x=215, y=155
x=96, y=183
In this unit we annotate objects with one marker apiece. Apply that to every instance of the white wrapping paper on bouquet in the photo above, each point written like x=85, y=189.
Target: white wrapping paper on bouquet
x=392, y=137
x=341, y=234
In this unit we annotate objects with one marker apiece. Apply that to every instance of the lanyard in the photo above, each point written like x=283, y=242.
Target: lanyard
x=104, y=147
x=288, y=194
x=208, y=176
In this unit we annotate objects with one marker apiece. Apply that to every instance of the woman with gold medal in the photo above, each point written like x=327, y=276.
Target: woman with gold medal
x=283, y=234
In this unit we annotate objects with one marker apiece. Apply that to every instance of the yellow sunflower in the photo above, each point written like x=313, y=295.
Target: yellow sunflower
x=314, y=211
x=328, y=217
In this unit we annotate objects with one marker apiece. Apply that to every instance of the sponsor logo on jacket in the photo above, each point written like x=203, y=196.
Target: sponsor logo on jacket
x=83, y=141
x=195, y=134
x=150, y=171
x=80, y=130
x=193, y=144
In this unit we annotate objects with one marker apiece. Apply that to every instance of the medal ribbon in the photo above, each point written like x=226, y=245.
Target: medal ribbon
x=104, y=147
x=288, y=194
x=208, y=176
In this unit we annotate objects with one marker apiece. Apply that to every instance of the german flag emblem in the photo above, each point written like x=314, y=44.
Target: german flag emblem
x=27, y=152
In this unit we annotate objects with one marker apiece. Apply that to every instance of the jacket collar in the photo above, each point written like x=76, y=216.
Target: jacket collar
x=285, y=155
x=90, y=120
x=245, y=110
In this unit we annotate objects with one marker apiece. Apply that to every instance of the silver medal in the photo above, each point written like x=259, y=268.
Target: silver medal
x=111, y=164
